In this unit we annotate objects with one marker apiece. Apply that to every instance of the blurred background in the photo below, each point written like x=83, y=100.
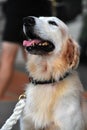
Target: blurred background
x=74, y=14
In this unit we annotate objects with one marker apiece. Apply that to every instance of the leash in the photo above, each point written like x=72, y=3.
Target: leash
x=12, y=120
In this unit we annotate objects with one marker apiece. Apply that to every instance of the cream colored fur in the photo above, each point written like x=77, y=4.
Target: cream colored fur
x=55, y=106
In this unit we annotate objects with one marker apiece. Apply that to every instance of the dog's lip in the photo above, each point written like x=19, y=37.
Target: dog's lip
x=38, y=46
x=30, y=42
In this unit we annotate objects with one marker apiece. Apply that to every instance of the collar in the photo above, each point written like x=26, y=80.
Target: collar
x=51, y=80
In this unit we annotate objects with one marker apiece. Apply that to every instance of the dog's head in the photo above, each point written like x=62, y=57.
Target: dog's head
x=45, y=34
x=49, y=36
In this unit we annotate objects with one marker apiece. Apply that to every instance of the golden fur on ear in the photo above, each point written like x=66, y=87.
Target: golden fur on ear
x=72, y=53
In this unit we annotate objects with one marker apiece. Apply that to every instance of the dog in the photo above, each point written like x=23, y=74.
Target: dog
x=54, y=93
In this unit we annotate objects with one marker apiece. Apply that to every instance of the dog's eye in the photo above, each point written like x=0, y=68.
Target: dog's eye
x=53, y=23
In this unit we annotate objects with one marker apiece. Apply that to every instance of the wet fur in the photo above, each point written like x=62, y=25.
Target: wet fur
x=54, y=106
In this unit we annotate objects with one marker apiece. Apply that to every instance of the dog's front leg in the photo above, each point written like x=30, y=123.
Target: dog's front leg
x=52, y=127
x=68, y=115
x=26, y=125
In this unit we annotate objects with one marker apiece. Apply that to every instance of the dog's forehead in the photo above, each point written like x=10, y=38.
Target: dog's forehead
x=57, y=20
x=50, y=19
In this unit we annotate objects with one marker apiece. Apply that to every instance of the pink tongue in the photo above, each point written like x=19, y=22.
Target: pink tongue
x=30, y=42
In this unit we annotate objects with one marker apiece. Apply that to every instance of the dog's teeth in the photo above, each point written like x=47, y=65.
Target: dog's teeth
x=45, y=44
x=29, y=39
x=33, y=44
x=39, y=44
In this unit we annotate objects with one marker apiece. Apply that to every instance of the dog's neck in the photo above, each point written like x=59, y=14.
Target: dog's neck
x=51, y=80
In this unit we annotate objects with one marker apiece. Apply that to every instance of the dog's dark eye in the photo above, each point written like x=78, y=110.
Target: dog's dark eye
x=53, y=23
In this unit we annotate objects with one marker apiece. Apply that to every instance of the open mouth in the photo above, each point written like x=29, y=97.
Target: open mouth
x=38, y=46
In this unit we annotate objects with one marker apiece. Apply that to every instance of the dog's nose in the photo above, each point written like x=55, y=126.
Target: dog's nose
x=29, y=21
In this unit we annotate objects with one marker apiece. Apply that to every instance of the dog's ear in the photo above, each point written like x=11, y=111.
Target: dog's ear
x=72, y=53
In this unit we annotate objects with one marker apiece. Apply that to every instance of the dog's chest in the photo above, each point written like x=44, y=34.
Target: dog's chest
x=39, y=105
x=51, y=104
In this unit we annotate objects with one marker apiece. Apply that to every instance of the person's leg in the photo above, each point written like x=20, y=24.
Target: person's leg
x=9, y=51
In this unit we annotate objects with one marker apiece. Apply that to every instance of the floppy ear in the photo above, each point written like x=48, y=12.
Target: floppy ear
x=72, y=53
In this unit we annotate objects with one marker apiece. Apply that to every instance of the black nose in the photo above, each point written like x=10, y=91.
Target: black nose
x=29, y=21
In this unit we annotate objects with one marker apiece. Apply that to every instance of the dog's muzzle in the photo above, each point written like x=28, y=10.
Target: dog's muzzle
x=35, y=44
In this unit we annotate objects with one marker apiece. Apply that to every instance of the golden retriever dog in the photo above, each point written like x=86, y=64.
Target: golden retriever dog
x=54, y=94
